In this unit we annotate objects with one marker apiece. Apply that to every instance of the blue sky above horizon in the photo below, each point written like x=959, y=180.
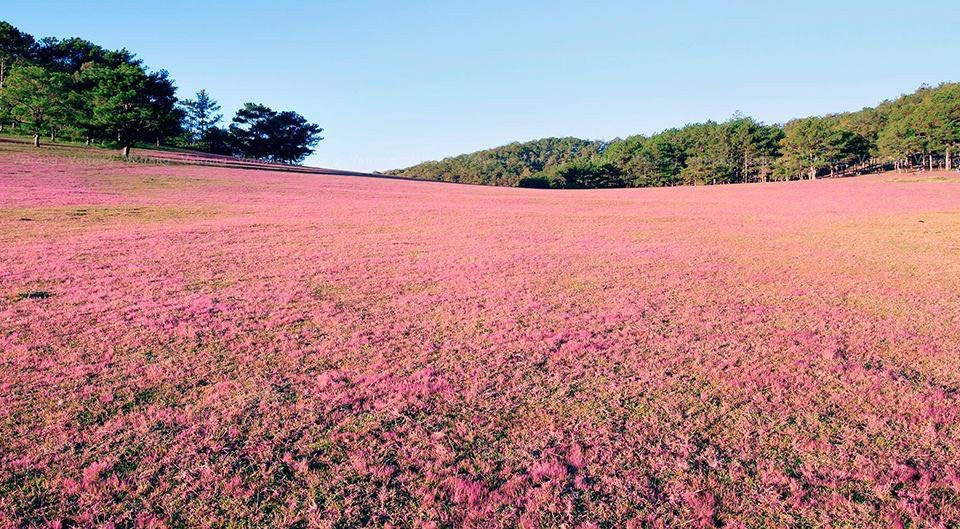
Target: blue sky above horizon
x=396, y=83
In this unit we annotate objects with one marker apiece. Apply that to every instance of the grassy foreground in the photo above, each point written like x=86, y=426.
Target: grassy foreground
x=199, y=346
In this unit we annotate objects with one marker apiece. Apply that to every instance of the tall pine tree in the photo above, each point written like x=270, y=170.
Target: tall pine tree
x=201, y=114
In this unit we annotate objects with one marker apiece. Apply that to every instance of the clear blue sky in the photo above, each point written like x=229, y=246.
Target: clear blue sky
x=397, y=82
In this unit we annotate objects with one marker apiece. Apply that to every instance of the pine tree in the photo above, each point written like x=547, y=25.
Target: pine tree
x=37, y=98
x=200, y=115
x=262, y=133
x=120, y=104
x=940, y=116
x=808, y=146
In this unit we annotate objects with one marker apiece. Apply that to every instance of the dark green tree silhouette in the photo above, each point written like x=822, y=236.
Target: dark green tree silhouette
x=261, y=133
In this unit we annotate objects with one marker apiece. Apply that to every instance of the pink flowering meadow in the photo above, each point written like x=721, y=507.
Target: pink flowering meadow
x=214, y=347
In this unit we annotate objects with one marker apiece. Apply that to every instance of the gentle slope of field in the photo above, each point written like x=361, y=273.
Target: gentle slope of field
x=199, y=346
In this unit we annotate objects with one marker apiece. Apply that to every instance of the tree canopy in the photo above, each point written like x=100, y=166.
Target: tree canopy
x=78, y=89
x=285, y=137
x=15, y=46
x=36, y=97
x=505, y=165
x=201, y=115
x=918, y=129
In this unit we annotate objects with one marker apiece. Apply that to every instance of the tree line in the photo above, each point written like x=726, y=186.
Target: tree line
x=77, y=90
x=920, y=130
x=504, y=165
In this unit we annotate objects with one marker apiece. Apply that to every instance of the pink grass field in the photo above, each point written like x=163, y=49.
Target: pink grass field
x=241, y=348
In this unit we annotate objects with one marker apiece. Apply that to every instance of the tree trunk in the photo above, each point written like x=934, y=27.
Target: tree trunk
x=126, y=151
x=813, y=173
x=36, y=140
x=947, y=162
x=88, y=141
x=158, y=143
x=930, y=160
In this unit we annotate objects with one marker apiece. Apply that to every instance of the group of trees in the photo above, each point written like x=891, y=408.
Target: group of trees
x=256, y=131
x=918, y=130
x=738, y=150
x=922, y=128
x=504, y=165
x=75, y=89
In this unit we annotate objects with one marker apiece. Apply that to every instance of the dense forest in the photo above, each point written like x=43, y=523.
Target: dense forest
x=73, y=89
x=503, y=165
x=918, y=130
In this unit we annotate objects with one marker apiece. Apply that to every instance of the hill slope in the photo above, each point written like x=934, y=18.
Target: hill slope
x=192, y=346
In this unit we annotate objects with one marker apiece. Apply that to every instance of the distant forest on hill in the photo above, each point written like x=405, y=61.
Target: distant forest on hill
x=73, y=89
x=506, y=165
x=917, y=130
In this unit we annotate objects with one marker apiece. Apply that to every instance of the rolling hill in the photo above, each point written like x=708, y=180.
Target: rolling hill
x=193, y=345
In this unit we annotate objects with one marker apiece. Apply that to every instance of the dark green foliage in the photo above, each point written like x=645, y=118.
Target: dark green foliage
x=36, y=97
x=81, y=90
x=201, y=115
x=87, y=92
x=166, y=117
x=261, y=133
x=584, y=174
x=15, y=46
x=534, y=182
x=921, y=129
x=738, y=150
x=753, y=149
x=505, y=165
x=218, y=141
x=121, y=107
x=648, y=162
x=809, y=145
x=69, y=55
x=913, y=130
